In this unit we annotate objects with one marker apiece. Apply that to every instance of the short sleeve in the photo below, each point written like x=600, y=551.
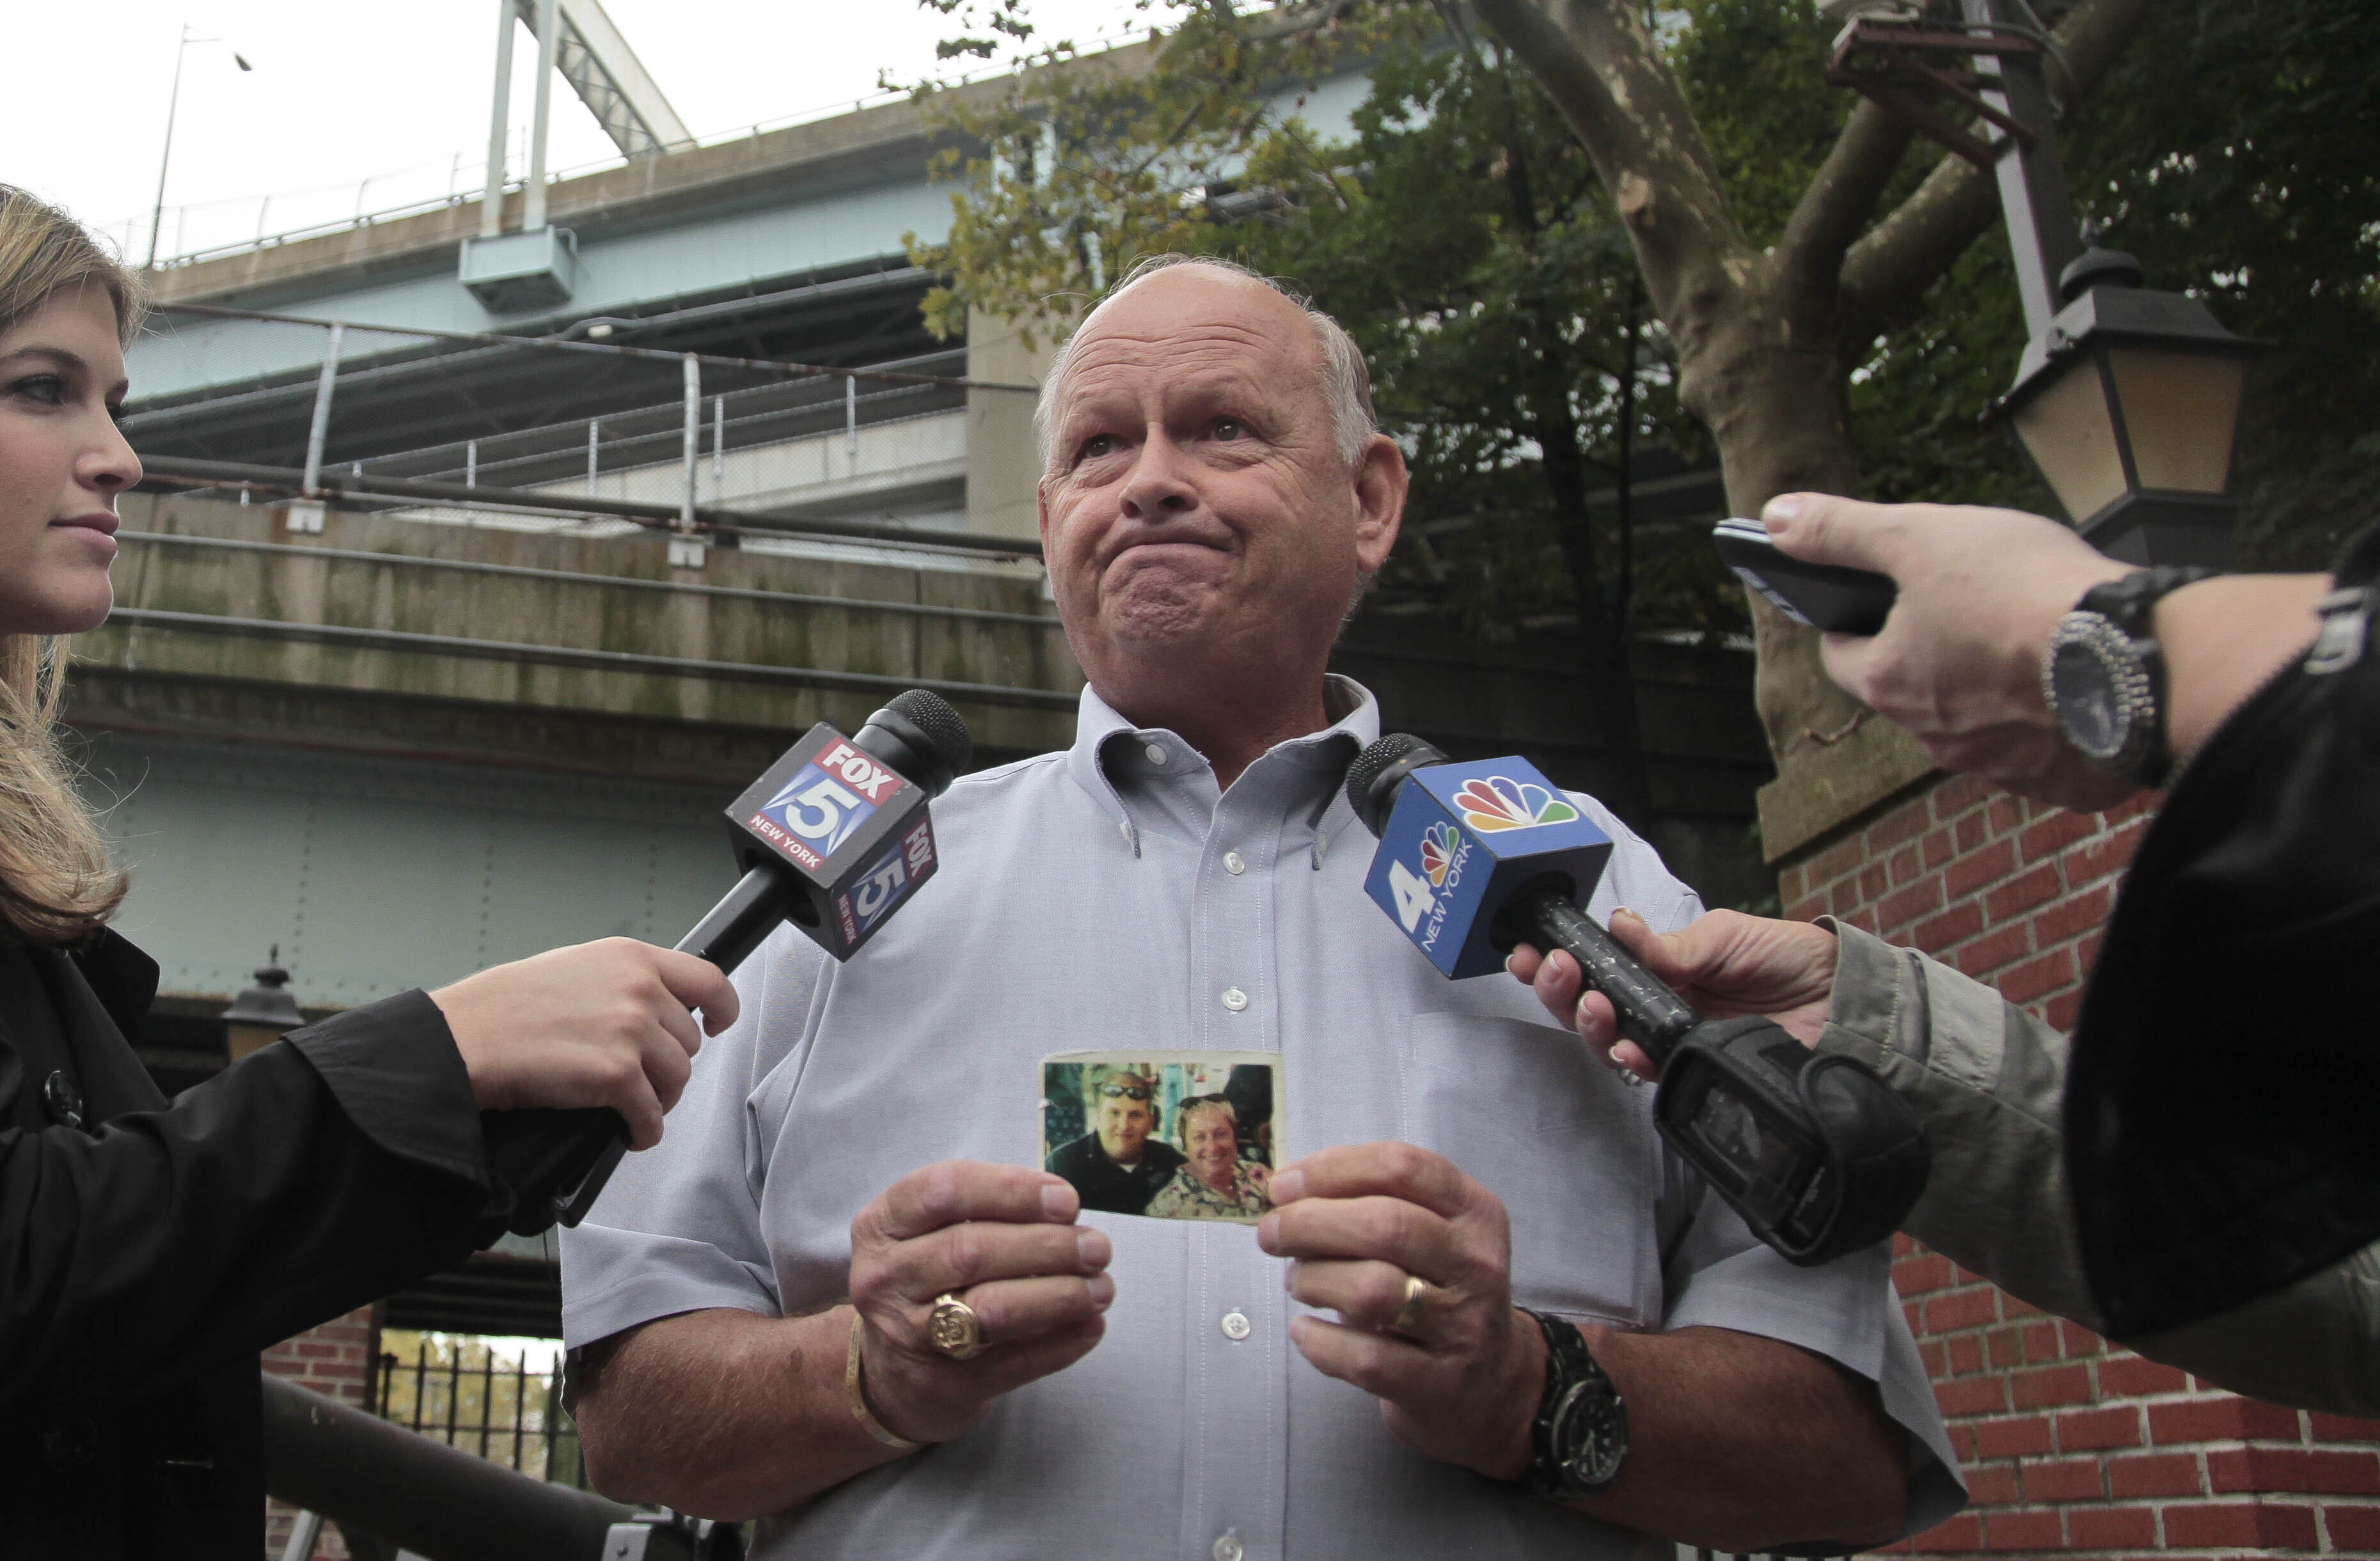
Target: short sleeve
x=1721, y=1276
x=1635, y=878
x=678, y=1227
x=1716, y=1273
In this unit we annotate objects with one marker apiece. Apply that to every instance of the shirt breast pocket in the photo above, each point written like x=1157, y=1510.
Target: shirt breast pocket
x=1570, y=1149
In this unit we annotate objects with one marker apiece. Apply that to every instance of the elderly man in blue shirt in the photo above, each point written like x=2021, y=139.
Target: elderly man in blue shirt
x=844, y=1298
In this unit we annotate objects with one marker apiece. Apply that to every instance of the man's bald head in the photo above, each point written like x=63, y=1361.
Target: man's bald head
x=1345, y=383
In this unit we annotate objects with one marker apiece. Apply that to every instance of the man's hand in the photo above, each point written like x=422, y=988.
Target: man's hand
x=604, y=1023
x=1460, y=1384
x=1959, y=662
x=1004, y=1240
x=1724, y=964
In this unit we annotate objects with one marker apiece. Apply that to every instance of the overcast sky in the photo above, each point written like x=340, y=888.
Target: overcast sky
x=353, y=106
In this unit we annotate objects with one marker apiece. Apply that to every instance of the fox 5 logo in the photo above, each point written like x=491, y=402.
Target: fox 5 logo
x=894, y=875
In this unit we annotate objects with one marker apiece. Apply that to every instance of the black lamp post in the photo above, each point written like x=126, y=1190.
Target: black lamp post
x=2126, y=401
x=263, y=1014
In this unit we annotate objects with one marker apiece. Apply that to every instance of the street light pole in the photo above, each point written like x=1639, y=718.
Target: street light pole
x=165, y=160
x=2043, y=236
x=173, y=105
x=2127, y=400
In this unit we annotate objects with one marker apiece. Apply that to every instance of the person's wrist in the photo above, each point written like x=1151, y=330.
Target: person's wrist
x=1523, y=1390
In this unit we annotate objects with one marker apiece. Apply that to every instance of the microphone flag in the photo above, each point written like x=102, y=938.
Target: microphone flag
x=1462, y=840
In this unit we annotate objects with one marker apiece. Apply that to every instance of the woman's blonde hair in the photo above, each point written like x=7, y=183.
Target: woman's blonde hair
x=56, y=883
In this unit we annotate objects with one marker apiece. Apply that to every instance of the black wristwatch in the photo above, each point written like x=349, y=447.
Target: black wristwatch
x=1580, y=1438
x=2104, y=677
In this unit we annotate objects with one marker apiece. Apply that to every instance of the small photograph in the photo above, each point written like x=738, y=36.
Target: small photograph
x=1166, y=1134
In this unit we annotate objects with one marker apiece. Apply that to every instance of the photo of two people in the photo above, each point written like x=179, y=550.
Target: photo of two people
x=1171, y=1135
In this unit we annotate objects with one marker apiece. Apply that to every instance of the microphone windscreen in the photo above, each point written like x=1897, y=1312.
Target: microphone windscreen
x=944, y=727
x=1370, y=765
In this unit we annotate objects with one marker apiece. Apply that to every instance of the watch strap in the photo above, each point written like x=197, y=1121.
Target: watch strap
x=2129, y=604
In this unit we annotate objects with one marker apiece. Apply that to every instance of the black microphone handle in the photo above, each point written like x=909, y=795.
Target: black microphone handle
x=742, y=922
x=559, y=1160
x=1650, y=1013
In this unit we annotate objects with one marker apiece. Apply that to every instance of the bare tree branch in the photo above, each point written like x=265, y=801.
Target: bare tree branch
x=1887, y=272
x=1602, y=68
x=1840, y=198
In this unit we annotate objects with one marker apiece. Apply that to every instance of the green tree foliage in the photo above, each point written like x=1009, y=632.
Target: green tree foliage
x=1466, y=240
x=2235, y=149
x=1462, y=237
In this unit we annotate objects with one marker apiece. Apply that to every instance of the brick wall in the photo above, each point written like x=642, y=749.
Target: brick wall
x=2070, y=1443
x=332, y=1359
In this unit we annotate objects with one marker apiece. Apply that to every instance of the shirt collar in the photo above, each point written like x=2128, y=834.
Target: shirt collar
x=1105, y=743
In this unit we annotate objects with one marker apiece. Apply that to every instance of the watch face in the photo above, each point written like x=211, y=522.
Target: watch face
x=2090, y=706
x=1601, y=1446
x=1594, y=1436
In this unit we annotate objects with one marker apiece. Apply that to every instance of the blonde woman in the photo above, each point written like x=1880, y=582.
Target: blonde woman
x=147, y=1248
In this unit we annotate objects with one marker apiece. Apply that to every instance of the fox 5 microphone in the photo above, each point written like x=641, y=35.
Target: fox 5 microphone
x=833, y=838
x=1816, y=1153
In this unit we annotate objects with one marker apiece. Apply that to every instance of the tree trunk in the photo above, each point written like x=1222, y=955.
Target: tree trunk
x=1763, y=337
x=1772, y=393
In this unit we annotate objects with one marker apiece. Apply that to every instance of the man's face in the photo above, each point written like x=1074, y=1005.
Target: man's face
x=1197, y=506
x=1212, y=1145
x=1124, y=1123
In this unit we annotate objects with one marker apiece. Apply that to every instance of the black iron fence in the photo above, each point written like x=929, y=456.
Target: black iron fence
x=458, y=1391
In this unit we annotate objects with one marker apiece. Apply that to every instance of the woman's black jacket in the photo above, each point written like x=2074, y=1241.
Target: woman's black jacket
x=150, y=1247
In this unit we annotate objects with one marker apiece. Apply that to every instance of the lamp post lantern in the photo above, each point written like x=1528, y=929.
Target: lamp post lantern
x=263, y=1014
x=2127, y=400
x=2128, y=405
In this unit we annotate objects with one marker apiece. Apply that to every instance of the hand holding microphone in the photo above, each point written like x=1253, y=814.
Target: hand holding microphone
x=1816, y=1154
x=613, y=1021
x=833, y=837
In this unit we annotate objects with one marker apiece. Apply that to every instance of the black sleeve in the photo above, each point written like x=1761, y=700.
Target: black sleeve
x=306, y=1180
x=2219, y=1106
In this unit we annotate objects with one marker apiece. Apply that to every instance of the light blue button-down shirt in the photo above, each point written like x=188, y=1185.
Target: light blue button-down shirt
x=1085, y=902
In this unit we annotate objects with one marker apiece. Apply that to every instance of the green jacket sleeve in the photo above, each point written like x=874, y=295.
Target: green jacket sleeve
x=1988, y=1078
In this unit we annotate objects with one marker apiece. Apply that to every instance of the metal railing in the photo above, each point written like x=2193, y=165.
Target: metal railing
x=771, y=451
x=492, y=1409
x=465, y=179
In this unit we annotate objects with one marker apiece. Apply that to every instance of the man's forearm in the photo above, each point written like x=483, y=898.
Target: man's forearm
x=1739, y=1443
x=724, y=1414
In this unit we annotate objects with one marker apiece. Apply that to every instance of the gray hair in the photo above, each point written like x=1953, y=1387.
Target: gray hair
x=1346, y=384
x=1202, y=1103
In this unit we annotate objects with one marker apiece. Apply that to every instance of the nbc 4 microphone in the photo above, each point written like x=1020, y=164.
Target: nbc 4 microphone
x=1819, y=1156
x=833, y=837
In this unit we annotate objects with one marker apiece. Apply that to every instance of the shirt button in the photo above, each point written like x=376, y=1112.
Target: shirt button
x=1123, y=828
x=1157, y=754
x=1235, y=999
x=1234, y=864
x=1227, y=1548
x=1236, y=1324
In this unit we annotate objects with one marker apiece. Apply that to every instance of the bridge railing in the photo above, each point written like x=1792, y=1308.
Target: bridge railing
x=701, y=443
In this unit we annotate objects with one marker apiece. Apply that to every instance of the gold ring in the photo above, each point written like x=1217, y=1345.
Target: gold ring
x=1410, y=1312
x=954, y=1329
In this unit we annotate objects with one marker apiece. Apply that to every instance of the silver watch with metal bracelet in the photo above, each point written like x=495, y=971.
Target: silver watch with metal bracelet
x=2104, y=675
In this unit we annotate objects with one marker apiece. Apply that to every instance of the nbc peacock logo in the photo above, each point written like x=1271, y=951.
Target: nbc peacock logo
x=1438, y=843
x=1501, y=803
